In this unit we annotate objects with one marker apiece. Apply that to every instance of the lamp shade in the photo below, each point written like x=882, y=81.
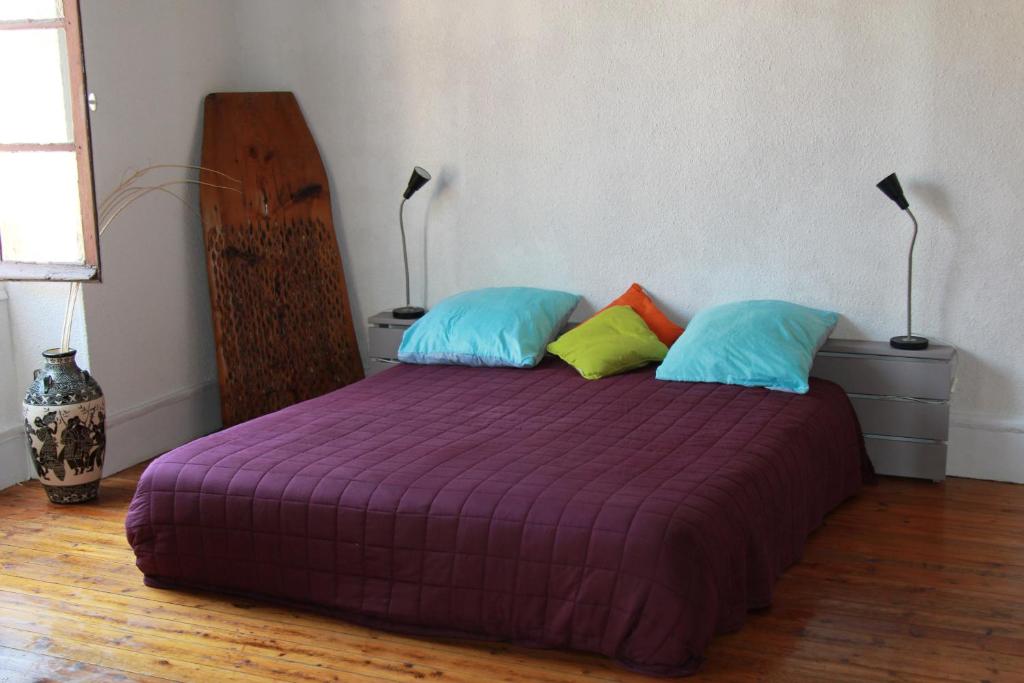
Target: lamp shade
x=417, y=180
x=890, y=185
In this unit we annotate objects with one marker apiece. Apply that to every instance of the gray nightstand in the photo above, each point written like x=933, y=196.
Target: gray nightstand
x=901, y=398
x=385, y=335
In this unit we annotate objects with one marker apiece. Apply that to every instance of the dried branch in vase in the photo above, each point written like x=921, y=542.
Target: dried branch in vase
x=129, y=191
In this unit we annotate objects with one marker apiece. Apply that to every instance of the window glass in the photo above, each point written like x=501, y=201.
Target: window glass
x=47, y=213
x=35, y=85
x=13, y=10
x=41, y=218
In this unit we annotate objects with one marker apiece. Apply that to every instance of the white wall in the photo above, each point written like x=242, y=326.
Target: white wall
x=150, y=339
x=13, y=458
x=710, y=150
x=10, y=406
x=150, y=343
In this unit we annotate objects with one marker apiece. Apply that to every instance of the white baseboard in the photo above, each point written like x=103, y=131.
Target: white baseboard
x=133, y=435
x=14, y=464
x=157, y=426
x=979, y=447
x=986, y=448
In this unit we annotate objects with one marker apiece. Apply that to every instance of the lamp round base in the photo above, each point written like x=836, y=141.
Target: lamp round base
x=909, y=343
x=408, y=312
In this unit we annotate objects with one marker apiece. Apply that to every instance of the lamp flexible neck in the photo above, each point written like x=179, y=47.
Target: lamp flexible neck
x=910, y=272
x=405, y=253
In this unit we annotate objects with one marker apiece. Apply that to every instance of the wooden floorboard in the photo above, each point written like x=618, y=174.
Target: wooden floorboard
x=910, y=581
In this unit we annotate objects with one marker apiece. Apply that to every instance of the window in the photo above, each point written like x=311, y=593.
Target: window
x=47, y=207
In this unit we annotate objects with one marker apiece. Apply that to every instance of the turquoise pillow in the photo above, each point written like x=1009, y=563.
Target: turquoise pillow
x=751, y=343
x=497, y=327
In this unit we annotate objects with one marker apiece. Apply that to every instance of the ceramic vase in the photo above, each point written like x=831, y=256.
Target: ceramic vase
x=65, y=424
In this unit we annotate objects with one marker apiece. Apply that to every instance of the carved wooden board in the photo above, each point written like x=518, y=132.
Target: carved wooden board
x=281, y=316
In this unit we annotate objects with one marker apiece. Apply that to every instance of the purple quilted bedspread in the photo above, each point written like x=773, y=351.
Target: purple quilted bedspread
x=627, y=516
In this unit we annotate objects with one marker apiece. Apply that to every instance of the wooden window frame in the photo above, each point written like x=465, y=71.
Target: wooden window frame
x=89, y=269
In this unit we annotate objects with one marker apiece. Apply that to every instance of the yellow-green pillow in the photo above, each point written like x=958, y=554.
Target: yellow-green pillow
x=613, y=341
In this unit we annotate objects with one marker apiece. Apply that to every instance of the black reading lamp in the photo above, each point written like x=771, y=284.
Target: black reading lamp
x=418, y=179
x=890, y=185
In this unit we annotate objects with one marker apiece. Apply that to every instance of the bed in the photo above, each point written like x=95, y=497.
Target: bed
x=629, y=517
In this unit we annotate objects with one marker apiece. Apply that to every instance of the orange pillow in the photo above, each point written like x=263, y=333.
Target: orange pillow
x=636, y=298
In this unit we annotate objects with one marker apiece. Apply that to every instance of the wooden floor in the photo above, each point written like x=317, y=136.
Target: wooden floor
x=909, y=581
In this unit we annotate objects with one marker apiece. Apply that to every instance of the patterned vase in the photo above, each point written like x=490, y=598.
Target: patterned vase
x=64, y=421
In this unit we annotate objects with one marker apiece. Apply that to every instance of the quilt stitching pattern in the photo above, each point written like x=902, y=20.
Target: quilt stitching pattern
x=630, y=517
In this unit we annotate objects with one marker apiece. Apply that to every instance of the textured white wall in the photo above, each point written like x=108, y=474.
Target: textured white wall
x=150, y=343
x=710, y=150
x=10, y=405
x=36, y=312
x=150, y=340
x=13, y=460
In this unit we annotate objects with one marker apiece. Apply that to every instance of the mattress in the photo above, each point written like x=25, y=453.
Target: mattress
x=629, y=517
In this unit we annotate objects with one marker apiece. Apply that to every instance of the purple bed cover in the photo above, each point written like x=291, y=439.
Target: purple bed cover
x=629, y=517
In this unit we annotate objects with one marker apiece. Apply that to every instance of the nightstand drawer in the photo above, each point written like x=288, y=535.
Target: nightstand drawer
x=921, y=459
x=901, y=417
x=901, y=398
x=384, y=341
x=885, y=376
